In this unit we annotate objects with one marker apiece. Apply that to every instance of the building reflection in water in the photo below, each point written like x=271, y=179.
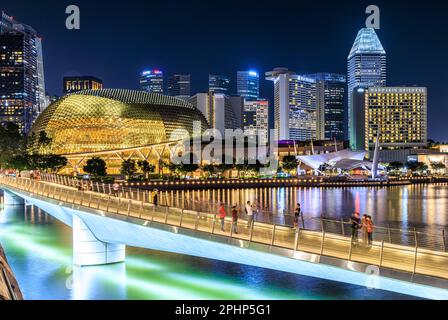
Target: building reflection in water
x=419, y=205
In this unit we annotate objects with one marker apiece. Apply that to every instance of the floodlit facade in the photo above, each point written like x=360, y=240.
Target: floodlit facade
x=114, y=119
x=294, y=105
x=366, y=67
x=397, y=115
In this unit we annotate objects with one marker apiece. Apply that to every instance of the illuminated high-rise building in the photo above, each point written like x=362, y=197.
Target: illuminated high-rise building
x=294, y=105
x=330, y=96
x=397, y=116
x=366, y=68
x=179, y=86
x=76, y=84
x=221, y=111
x=256, y=118
x=22, y=85
x=248, y=85
x=152, y=81
x=218, y=84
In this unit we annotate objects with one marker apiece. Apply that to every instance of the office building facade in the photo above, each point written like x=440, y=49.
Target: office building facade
x=22, y=85
x=179, y=86
x=76, y=84
x=366, y=67
x=218, y=84
x=295, y=105
x=248, y=85
x=256, y=118
x=330, y=110
x=221, y=111
x=152, y=81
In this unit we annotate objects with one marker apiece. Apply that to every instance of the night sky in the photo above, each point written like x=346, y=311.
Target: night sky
x=119, y=39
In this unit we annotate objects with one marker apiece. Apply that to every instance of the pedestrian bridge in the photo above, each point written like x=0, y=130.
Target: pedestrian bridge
x=103, y=225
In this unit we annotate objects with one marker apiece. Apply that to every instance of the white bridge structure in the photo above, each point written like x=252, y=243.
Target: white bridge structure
x=103, y=225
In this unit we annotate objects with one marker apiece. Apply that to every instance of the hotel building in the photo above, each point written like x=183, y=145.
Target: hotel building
x=294, y=105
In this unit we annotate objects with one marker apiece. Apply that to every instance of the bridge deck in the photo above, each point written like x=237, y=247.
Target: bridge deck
x=400, y=257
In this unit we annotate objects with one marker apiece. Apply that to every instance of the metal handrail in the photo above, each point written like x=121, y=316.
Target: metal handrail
x=284, y=239
x=430, y=240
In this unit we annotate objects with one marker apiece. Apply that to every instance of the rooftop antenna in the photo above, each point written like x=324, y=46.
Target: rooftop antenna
x=335, y=144
x=312, y=147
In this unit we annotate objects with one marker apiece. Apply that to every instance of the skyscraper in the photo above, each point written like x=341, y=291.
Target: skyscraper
x=152, y=81
x=75, y=84
x=248, y=85
x=366, y=68
x=256, y=118
x=330, y=96
x=397, y=116
x=218, y=84
x=179, y=86
x=22, y=85
x=221, y=111
x=294, y=105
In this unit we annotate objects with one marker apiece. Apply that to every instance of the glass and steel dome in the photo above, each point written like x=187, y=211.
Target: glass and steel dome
x=112, y=119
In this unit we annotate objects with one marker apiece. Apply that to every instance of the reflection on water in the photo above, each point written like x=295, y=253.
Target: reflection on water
x=415, y=205
x=39, y=251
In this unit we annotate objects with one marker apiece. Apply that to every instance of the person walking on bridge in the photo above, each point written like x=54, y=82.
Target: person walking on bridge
x=155, y=197
x=250, y=213
x=235, y=219
x=222, y=215
x=115, y=188
x=356, y=224
x=297, y=215
x=370, y=226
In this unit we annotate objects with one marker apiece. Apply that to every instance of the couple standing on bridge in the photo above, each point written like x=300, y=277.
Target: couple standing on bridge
x=365, y=224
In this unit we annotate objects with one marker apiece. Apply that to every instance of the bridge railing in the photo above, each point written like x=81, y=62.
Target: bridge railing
x=325, y=241
x=434, y=240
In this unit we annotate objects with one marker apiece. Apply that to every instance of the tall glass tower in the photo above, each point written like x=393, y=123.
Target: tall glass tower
x=179, y=86
x=248, y=85
x=218, y=84
x=152, y=81
x=22, y=85
x=366, y=68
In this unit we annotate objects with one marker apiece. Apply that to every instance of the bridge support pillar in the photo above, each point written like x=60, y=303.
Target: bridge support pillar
x=13, y=199
x=89, y=251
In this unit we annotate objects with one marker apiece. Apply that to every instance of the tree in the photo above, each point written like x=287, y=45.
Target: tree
x=415, y=167
x=96, y=167
x=438, y=167
x=128, y=168
x=54, y=163
x=43, y=142
x=189, y=163
x=395, y=166
x=12, y=144
x=146, y=168
x=208, y=170
x=289, y=163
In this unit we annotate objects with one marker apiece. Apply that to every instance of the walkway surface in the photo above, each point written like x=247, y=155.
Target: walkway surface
x=412, y=259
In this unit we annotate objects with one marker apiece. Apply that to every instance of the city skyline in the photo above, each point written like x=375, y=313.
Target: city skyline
x=402, y=69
